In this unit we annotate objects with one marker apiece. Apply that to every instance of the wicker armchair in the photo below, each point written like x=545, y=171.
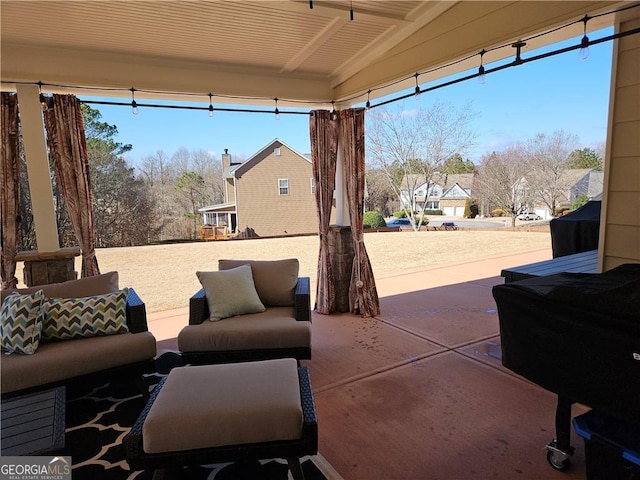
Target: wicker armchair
x=283, y=330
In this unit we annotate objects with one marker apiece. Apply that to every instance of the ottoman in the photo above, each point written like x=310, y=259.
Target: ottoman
x=200, y=415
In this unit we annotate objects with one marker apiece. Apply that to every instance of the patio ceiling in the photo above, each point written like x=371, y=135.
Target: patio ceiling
x=265, y=49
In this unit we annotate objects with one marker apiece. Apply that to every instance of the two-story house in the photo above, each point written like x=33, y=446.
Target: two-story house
x=270, y=194
x=446, y=192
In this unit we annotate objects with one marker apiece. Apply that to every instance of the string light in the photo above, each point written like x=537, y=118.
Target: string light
x=134, y=105
x=417, y=89
x=584, y=43
x=276, y=111
x=481, y=76
x=210, y=105
x=482, y=70
x=351, y=11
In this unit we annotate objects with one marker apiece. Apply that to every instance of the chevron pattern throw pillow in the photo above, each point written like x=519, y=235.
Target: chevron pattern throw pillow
x=22, y=322
x=67, y=318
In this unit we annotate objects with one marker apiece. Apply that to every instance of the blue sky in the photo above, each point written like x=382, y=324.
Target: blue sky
x=562, y=92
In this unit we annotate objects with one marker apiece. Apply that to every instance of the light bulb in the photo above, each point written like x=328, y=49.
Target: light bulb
x=210, y=111
x=134, y=105
x=277, y=112
x=584, y=48
x=482, y=78
x=584, y=43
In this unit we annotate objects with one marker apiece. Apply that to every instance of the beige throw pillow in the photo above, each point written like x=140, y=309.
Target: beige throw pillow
x=230, y=292
x=275, y=280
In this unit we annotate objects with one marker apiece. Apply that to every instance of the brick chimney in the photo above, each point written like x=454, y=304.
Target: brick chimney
x=226, y=159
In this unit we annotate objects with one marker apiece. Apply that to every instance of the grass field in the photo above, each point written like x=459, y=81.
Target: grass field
x=164, y=275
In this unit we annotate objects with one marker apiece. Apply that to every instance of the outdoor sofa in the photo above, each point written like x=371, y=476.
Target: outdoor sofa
x=106, y=355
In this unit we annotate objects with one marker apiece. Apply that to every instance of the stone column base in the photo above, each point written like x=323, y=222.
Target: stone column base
x=48, y=267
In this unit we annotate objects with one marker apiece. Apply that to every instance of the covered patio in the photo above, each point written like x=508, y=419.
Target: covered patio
x=308, y=56
x=417, y=391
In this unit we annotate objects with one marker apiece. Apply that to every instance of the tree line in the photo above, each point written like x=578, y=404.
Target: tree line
x=159, y=200
x=406, y=150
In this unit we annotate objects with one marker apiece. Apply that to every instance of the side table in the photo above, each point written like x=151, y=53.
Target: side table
x=33, y=423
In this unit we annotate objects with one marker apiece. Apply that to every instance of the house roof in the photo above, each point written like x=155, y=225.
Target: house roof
x=266, y=49
x=220, y=207
x=456, y=191
x=572, y=176
x=464, y=180
x=261, y=155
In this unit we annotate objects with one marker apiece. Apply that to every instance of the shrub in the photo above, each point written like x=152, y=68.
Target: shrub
x=400, y=214
x=497, y=212
x=373, y=220
x=433, y=212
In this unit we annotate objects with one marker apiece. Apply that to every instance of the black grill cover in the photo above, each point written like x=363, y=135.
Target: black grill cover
x=577, y=231
x=577, y=335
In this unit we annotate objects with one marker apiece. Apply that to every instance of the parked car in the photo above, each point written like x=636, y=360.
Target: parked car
x=526, y=216
x=399, y=222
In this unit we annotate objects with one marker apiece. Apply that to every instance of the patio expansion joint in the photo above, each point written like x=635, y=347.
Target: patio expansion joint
x=439, y=343
x=378, y=371
x=498, y=368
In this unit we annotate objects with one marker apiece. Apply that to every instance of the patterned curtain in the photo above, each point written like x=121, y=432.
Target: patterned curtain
x=363, y=295
x=9, y=188
x=68, y=150
x=324, y=152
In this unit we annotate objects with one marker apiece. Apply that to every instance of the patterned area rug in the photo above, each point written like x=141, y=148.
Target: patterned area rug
x=99, y=418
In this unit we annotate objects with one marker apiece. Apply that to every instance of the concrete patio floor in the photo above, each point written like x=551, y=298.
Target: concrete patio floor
x=419, y=392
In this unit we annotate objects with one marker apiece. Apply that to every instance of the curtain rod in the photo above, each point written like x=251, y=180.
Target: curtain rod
x=521, y=61
x=190, y=107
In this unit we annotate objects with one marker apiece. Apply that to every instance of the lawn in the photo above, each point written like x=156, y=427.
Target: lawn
x=164, y=275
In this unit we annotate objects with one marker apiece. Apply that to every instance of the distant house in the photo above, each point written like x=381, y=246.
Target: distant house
x=574, y=184
x=446, y=192
x=270, y=194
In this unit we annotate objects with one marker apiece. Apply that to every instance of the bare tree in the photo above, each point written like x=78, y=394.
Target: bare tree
x=501, y=183
x=159, y=175
x=411, y=146
x=210, y=169
x=548, y=159
x=181, y=184
x=379, y=192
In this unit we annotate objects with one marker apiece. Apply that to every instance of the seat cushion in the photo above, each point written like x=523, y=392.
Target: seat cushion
x=219, y=405
x=274, y=328
x=275, y=280
x=58, y=361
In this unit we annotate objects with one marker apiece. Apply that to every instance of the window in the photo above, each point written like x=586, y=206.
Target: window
x=276, y=151
x=312, y=185
x=283, y=186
